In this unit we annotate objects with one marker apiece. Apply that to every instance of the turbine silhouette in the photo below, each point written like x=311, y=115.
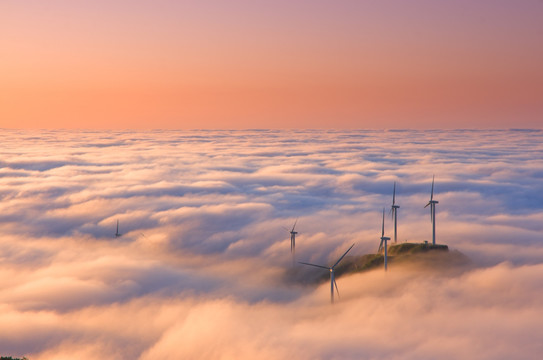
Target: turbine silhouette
x=432, y=204
x=117, y=233
x=332, y=274
x=384, y=240
x=293, y=241
x=394, y=213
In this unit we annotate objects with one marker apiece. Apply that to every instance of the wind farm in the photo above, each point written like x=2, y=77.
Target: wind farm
x=216, y=262
x=414, y=252
x=262, y=155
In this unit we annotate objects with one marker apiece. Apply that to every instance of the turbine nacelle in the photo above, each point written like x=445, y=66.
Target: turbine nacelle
x=393, y=210
x=384, y=239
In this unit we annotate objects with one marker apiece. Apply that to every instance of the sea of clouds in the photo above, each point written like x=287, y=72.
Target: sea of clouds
x=201, y=270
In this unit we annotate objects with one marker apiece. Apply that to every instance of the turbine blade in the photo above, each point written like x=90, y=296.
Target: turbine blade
x=342, y=256
x=294, y=224
x=284, y=227
x=337, y=290
x=432, y=194
x=427, y=205
x=380, y=245
x=383, y=225
x=394, y=194
x=319, y=266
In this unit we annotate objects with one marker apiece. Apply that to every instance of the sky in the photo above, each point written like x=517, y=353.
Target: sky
x=203, y=269
x=243, y=64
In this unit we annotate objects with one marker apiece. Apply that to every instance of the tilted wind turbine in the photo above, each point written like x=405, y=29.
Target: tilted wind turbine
x=394, y=212
x=432, y=204
x=332, y=275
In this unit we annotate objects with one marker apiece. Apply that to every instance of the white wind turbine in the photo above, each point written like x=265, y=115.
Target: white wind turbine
x=332, y=275
x=384, y=240
x=394, y=212
x=432, y=204
x=117, y=233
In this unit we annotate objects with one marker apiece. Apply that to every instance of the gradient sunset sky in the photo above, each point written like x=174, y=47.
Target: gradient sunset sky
x=271, y=64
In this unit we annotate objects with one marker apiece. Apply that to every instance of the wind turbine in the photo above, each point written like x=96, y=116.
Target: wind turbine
x=384, y=240
x=292, y=241
x=394, y=212
x=432, y=204
x=117, y=233
x=332, y=275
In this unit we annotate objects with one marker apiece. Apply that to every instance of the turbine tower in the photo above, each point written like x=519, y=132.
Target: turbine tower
x=117, y=233
x=293, y=242
x=394, y=212
x=432, y=204
x=384, y=240
x=332, y=275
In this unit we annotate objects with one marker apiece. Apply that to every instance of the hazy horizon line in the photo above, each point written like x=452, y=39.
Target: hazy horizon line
x=273, y=129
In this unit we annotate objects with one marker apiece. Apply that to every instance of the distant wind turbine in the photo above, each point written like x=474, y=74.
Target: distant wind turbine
x=394, y=212
x=293, y=241
x=432, y=204
x=332, y=275
x=384, y=240
x=117, y=233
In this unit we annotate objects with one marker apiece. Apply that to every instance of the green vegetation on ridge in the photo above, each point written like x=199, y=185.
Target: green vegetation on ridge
x=423, y=255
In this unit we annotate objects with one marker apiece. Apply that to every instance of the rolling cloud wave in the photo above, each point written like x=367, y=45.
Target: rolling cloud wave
x=199, y=271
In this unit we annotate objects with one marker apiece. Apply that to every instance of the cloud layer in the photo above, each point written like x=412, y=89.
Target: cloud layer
x=200, y=269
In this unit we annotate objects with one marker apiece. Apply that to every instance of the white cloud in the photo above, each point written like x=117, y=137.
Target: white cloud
x=200, y=269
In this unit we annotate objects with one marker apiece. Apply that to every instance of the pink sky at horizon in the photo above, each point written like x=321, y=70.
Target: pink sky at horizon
x=284, y=64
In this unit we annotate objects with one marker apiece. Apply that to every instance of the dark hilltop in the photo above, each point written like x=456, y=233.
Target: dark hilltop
x=423, y=256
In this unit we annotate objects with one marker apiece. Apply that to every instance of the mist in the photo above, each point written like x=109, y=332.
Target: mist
x=203, y=266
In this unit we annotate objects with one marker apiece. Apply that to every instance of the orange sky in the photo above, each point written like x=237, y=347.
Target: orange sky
x=255, y=64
